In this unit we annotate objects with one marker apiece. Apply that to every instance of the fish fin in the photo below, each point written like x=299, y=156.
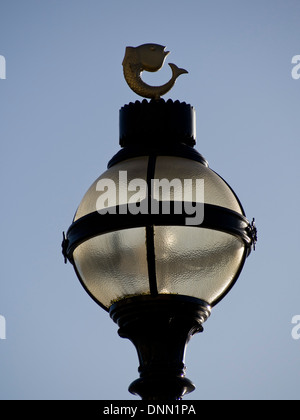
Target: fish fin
x=176, y=70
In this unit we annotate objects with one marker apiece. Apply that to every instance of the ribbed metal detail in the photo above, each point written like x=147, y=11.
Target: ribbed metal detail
x=156, y=122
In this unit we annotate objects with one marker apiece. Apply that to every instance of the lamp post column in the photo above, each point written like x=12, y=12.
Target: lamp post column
x=160, y=328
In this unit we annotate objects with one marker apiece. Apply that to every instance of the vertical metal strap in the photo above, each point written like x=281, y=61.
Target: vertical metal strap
x=150, y=249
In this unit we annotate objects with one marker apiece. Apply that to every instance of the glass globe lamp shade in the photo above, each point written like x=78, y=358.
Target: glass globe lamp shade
x=159, y=221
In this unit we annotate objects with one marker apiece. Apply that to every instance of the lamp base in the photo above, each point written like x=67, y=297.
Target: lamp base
x=160, y=328
x=160, y=388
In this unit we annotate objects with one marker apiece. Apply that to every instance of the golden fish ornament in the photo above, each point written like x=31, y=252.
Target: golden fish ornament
x=149, y=57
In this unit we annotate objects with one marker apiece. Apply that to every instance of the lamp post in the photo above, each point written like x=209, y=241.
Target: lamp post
x=159, y=238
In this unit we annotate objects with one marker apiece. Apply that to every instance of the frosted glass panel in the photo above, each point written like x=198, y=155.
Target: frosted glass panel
x=216, y=191
x=195, y=262
x=123, y=177
x=113, y=266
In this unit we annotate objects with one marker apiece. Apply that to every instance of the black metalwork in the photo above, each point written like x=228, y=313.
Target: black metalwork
x=160, y=328
x=157, y=122
x=119, y=217
x=157, y=128
x=176, y=150
x=252, y=232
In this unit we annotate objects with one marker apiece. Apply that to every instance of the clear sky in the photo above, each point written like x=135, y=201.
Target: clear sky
x=59, y=110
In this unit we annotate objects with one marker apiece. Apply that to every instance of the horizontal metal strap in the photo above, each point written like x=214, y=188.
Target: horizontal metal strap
x=119, y=218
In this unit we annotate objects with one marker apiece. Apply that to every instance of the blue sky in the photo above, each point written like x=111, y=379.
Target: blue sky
x=59, y=110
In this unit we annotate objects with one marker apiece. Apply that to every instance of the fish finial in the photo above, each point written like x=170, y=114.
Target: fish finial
x=149, y=57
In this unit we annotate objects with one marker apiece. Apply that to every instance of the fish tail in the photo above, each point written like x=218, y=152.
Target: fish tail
x=176, y=70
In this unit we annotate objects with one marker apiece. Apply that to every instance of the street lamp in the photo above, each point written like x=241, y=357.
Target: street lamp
x=159, y=238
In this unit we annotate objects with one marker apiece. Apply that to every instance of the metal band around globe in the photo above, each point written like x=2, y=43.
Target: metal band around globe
x=94, y=224
x=176, y=150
